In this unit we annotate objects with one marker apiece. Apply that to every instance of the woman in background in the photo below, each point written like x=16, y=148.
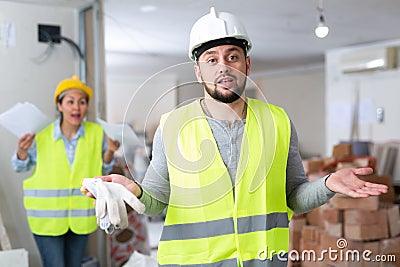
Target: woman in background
x=70, y=149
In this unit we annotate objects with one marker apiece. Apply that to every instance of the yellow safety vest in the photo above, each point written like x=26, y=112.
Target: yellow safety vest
x=52, y=197
x=208, y=223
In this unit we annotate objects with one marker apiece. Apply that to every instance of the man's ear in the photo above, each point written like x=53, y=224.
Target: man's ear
x=248, y=64
x=197, y=71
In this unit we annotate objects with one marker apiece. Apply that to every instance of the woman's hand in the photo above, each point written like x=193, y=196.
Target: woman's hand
x=24, y=143
x=112, y=145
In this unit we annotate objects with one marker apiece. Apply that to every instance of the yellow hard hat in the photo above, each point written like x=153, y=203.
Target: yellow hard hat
x=72, y=83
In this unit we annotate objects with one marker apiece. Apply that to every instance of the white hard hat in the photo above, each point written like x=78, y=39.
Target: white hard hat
x=217, y=26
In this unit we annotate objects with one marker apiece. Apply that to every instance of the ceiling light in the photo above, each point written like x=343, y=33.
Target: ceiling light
x=321, y=31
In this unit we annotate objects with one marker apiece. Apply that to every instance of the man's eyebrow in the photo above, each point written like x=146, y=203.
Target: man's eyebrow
x=233, y=49
x=210, y=52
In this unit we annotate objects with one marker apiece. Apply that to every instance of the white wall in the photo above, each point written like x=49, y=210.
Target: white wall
x=140, y=96
x=368, y=90
x=23, y=80
x=301, y=93
x=139, y=101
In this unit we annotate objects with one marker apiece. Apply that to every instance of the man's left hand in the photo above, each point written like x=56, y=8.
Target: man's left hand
x=345, y=181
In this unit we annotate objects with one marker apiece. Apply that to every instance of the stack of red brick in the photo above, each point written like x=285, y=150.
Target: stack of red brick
x=347, y=231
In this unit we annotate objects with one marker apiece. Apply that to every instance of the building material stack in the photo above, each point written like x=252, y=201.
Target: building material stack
x=348, y=232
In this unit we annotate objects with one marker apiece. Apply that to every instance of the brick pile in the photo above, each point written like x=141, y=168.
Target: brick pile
x=340, y=231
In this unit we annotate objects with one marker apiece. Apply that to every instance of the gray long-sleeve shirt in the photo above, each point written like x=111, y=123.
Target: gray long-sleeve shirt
x=302, y=195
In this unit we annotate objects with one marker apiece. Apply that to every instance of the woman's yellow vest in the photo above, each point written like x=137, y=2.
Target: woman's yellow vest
x=209, y=223
x=52, y=198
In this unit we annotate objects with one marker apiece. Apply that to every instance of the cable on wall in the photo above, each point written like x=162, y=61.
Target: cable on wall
x=57, y=38
x=73, y=44
x=49, y=49
x=45, y=55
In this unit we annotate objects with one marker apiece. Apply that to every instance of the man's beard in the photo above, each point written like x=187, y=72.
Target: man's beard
x=235, y=92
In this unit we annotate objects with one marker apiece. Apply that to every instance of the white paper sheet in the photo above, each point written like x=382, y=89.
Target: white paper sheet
x=24, y=118
x=341, y=115
x=366, y=112
x=121, y=132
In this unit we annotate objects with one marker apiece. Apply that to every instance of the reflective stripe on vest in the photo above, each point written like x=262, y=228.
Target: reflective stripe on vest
x=224, y=226
x=206, y=224
x=52, y=192
x=52, y=198
x=274, y=262
x=223, y=263
x=60, y=213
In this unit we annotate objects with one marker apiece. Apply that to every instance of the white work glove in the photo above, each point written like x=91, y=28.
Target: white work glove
x=111, y=197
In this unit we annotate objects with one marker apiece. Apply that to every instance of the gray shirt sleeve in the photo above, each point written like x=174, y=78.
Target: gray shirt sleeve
x=302, y=195
x=155, y=185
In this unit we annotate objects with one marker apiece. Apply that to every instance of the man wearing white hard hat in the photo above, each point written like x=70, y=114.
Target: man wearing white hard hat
x=228, y=167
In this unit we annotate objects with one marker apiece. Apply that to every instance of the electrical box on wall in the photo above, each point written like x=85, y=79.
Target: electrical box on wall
x=49, y=33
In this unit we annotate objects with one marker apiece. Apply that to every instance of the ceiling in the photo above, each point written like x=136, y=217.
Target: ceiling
x=155, y=33
x=282, y=31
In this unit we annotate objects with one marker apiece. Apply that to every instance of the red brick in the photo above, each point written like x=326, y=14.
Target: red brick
x=344, y=202
x=390, y=262
x=310, y=246
x=315, y=217
x=393, y=211
x=366, y=231
x=334, y=229
x=330, y=243
x=313, y=264
x=293, y=263
x=332, y=215
x=361, y=247
x=393, y=220
x=296, y=224
x=394, y=228
x=298, y=216
x=354, y=216
x=342, y=150
x=294, y=238
x=346, y=255
x=318, y=233
x=309, y=232
x=374, y=248
x=313, y=165
x=388, y=197
x=389, y=245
